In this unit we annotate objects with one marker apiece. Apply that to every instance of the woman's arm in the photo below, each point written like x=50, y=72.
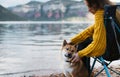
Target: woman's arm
x=80, y=37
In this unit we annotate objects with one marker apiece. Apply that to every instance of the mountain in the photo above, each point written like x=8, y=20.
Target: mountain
x=50, y=10
x=34, y=3
x=65, y=2
x=6, y=15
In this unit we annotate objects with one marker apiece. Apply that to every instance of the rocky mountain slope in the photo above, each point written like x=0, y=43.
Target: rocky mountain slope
x=6, y=15
x=51, y=10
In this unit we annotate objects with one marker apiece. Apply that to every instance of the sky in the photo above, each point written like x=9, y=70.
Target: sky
x=9, y=3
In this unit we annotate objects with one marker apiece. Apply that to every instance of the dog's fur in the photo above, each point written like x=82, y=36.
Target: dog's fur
x=72, y=69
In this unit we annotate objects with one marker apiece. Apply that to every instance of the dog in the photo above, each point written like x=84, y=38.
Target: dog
x=70, y=69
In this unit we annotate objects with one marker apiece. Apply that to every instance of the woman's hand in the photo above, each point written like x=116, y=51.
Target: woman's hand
x=75, y=58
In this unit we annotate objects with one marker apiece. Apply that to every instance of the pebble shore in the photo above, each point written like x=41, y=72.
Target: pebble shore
x=103, y=74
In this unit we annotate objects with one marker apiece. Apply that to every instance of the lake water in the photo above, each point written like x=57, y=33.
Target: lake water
x=27, y=49
x=30, y=49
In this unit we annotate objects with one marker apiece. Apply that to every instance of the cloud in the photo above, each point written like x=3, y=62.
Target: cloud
x=115, y=0
x=7, y=3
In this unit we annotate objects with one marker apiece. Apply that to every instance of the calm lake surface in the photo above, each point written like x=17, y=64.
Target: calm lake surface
x=33, y=49
x=27, y=48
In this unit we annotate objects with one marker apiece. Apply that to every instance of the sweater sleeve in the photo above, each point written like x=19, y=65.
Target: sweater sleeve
x=98, y=45
x=80, y=37
x=98, y=34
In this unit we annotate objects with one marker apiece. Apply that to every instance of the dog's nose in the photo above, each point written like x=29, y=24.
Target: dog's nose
x=69, y=55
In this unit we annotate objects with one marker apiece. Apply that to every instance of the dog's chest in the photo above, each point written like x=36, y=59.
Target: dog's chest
x=68, y=67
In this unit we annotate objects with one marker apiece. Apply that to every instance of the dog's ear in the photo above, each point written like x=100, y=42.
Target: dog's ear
x=64, y=42
x=75, y=46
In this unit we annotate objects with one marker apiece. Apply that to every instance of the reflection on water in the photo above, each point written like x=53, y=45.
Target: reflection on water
x=33, y=47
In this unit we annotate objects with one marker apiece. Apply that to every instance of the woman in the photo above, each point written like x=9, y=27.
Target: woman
x=96, y=32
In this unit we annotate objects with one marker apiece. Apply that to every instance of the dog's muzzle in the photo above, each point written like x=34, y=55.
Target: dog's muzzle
x=68, y=55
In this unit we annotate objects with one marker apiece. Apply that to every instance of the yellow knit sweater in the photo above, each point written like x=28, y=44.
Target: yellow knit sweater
x=98, y=33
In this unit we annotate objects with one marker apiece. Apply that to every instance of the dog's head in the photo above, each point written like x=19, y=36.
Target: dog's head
x=68, y=50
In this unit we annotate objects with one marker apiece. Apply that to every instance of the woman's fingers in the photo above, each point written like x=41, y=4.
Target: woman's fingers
x=72, y=58
x=75, y=58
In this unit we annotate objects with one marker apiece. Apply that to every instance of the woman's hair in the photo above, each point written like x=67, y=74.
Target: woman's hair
x=118, y=16
x=98, y=4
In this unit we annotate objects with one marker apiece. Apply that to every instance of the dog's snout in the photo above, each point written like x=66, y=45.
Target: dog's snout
x=69, y=55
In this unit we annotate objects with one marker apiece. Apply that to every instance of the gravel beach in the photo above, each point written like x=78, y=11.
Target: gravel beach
x=60, y=74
